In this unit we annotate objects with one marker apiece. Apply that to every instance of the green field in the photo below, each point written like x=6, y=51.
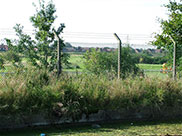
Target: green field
x=76, y=60
x=150, y=66
x=114, y=129
x=152, y=70
x=77, y=64
x=149, y=69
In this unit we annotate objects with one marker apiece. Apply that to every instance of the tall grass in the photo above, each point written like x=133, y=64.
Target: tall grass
x=39, y=91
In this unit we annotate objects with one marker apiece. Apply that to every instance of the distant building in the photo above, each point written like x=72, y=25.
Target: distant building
x=3, y=47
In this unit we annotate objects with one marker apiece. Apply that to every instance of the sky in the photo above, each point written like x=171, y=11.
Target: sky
x=90, y=18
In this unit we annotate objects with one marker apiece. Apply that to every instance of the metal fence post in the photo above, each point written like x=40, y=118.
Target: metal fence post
x=119, y=55
x=174, y=58
x=59, y=68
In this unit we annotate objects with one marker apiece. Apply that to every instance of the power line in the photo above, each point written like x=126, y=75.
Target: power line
x=89, y=36
x=8, y=30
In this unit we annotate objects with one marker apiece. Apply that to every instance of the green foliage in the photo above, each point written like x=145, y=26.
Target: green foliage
x=41, y=50
x=146, y=59
x=35, y=91
x=171, y=27
x=25, y=93
x=13, y=58
x=101, y=62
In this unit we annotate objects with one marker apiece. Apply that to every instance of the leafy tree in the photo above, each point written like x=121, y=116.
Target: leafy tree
x=41, y=50
x=102, y=63
x=171, y=27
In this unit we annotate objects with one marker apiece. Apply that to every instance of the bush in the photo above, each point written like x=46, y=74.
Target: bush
x=26, y=92
x=103, y=63
x=39, y=91
x=13, y=58
x=146, y=59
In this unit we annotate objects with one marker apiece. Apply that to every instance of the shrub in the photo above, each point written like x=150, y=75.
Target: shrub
x=147, y=59
x=103, y=63
x=39, y=91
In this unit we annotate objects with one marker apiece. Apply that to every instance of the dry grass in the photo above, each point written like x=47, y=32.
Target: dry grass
x=34, y=91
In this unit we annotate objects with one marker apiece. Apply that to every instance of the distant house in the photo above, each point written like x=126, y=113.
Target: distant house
x=3, y=47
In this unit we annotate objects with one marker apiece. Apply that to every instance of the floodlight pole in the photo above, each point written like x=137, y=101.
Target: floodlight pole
x=174, y=58
x=59, y=68
x=119, y=55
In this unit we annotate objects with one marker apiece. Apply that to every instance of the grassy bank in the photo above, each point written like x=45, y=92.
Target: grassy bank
x=116, y=129
x=34, y=91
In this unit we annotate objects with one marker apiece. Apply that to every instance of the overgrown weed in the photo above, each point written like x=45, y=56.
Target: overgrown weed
x=35, y=91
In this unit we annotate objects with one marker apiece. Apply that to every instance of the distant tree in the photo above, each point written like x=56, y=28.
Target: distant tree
x=146, y=58
x=68, y=45
x=40, y=51
x=171, y=27
x=79, y=48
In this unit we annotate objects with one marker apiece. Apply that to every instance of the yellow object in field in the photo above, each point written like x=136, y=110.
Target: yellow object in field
x=164, y=68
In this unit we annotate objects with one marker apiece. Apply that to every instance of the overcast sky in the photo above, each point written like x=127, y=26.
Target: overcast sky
x=91, y=16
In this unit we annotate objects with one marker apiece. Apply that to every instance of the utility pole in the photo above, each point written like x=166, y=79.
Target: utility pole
x=119, y=55
x=59, y=68
x=174, y=58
